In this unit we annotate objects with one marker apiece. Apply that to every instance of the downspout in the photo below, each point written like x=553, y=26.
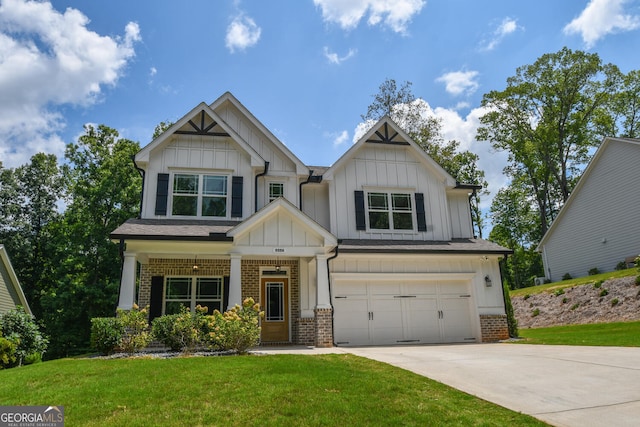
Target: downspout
x=266, y=170
x=310, y=179
x=502, y=263
x=329, y=279
x=142, y=173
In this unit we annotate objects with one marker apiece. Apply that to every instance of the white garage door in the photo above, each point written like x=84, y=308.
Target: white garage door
x=378, y=313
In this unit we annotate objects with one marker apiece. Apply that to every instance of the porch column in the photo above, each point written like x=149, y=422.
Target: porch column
x=235, y=281
x=322, y=288
x=128, y=282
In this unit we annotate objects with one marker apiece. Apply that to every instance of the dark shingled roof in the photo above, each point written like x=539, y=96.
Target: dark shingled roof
x=458, y=246
x=174, y=229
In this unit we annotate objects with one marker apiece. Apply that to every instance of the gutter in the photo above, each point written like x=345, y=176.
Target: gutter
x=142, y=174
x=255, y=186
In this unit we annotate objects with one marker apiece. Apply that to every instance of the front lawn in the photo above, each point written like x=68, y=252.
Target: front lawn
x=246, y=390
x=619, y=334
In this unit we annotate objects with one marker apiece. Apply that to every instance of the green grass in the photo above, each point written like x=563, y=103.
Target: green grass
x=551, y=287
x=619, y=334
x=246, y=390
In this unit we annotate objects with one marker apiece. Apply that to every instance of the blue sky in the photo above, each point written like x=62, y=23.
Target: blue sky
x=306, y=68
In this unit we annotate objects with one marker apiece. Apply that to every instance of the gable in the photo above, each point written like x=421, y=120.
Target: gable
x=280, y=226
x=11, y=294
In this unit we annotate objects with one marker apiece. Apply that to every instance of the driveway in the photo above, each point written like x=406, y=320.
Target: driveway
x=561, y=385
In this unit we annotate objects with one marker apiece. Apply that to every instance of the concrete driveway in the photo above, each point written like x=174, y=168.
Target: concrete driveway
x=561, y=385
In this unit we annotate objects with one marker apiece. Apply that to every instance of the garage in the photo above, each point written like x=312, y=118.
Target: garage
x=386, y=312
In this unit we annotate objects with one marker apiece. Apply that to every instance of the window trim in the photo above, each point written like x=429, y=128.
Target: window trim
x=389, y=192
x=268, y=189
x=200, y=194
x=193, y=298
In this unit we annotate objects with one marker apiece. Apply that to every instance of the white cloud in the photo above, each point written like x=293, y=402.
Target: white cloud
x=348, y=13
x=599, y=18
x=459, y=82
x=339, y=138
x=506, y=27
x=49, y=59
x=242, y=33
x=333, y=57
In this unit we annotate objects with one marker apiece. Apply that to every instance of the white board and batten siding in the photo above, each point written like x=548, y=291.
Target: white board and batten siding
x=599, y=225
x=387, y=168
x=384, y=300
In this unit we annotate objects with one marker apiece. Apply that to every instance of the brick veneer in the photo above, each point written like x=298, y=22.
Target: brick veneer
x=494, y=327
x=324, y=330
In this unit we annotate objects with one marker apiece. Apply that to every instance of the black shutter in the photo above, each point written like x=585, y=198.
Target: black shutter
x=155, y=303
x=360, y=214
x=162, y=193
x=420, y=213
x=225, y=294
x=236, y=197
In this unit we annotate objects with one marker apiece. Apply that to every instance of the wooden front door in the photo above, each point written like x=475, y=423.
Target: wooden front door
x=274, y=295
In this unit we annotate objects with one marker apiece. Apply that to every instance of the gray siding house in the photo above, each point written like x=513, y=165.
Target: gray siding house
x=11, y=294
x=599, y=225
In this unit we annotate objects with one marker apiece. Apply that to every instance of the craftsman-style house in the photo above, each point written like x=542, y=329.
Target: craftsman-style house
x=376, y=249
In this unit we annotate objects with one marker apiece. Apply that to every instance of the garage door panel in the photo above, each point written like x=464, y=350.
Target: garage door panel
x=386, y=320
x=456, y=321
x=351, y=320
x=422, y=320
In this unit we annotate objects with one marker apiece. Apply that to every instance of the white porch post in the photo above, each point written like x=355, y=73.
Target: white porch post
x=322, y=289
x=128, y=282
x=235, y=281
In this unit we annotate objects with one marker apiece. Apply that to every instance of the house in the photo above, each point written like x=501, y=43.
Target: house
x=598, y=226
x=376, y=249
x=11, y=294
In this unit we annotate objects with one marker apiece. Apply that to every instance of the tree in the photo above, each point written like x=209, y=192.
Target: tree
x=626, y=106
x=413, y=116
x=103, y=192
x=548, y=118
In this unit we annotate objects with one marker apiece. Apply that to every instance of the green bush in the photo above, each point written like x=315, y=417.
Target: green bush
x=536, y=312
x=604, y=292
x=594, y=271
x=558, y=292
x=19, y=324
x=136, y=329
x=106, y=334
x=184, y=331
x=637, y=280
x=574, y=306
x=621, y=266
x=237, y=329
x=614, y=302
x=7, y=351
x=566, y=276
x=598, y=284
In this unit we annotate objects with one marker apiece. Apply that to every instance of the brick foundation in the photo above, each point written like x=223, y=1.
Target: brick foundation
x=306, y=331
x=323, y=329
x=494, y=327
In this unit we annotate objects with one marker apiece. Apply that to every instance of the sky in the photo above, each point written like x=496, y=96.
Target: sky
x=307, y=69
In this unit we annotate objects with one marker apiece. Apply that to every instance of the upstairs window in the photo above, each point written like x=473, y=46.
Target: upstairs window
x=199, y=195
x=276, y=189
x=390, y=211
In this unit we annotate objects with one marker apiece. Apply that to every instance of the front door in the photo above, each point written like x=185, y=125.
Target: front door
x=274, y=294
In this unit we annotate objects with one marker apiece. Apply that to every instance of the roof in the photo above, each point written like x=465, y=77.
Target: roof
x=174, y=229
x=582, y=182
x=13, y=279
x=455, y=246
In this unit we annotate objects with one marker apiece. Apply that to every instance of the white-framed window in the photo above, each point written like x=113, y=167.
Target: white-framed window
x=276, y=189
x=390, y=210
x=200, y=195
x=193, y=291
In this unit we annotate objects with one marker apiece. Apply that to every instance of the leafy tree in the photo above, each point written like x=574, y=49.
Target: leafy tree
x=548, y=118
x=160, y=128
x=412, y=115
x=626, y=106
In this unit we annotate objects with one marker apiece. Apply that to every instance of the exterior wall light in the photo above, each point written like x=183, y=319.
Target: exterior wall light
x=487, y=281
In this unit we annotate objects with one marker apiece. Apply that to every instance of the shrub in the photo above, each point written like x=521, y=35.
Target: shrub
x=184, y=331
x=21, y=325
x=566, y=276
x=136, y=329
x=106, y=334
x=536, y=312
x=604, y=292
x=614, y=302
x=598, y=284
x=637, y=280
x=565, y=300
x=7, y=351
x=237, y=329
x=526, y=297
x=558, y=292
x=594, y=271
x=621, y=266
x=574, y=306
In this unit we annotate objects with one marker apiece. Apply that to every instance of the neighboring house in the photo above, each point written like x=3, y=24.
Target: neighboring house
x=599, y=226
x=376, y=249
x=11, y=294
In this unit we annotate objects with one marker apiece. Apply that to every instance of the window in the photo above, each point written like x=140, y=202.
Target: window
x=199, y=195
x=276, y=189
x=193, y=291
x=390, y=211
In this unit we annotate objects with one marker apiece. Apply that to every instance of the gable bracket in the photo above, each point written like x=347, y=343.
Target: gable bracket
x=386, y=139
x=202, y=130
